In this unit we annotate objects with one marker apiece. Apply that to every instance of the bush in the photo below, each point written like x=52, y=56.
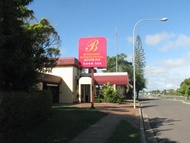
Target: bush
x=97, y=99
x=20, y=108
x=120, y=99
x=111, y=95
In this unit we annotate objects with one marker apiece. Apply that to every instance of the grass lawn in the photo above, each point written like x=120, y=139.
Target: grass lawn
x=63, y=124
x=125, y=133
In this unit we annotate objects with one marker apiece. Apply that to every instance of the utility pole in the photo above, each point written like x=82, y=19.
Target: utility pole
x=116, y=49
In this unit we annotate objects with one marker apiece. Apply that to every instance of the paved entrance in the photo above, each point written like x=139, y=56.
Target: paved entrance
x=103, y=129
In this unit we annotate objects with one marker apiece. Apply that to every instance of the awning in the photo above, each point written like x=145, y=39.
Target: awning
x=49, y=78
x=118, y=79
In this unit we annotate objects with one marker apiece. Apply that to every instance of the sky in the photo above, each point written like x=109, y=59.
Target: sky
x=166, y=44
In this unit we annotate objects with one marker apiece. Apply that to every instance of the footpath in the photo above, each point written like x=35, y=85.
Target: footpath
x=103, y=129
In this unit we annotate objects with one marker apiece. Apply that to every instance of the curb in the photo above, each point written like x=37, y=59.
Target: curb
x=147, y=133
x=143, y=138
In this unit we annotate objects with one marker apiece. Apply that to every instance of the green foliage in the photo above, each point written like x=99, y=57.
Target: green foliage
x=140, y=62
x=44, y=37
x=97, y=99
x=17, y=70
x=139, y=66
x=20, y=108
x=25, y=48
x=123, y=64
x=120, y=99
x=111, y=95
x=141, y=82
x=111, y=64
x=187, y=91
x=184, y=88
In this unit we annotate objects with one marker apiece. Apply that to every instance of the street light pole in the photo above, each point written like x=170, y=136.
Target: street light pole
x=134, y=56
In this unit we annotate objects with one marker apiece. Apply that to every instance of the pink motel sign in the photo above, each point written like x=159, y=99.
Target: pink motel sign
x=92, y=52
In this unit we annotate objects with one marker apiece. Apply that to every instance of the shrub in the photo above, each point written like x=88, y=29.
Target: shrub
x=120, y=99
x=97, y=99
x=111, y=95
x=20, y=108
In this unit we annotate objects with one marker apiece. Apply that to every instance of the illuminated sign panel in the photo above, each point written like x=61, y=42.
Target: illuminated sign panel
x=92, y=52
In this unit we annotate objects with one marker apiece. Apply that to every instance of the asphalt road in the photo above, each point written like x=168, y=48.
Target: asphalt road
x=170, y=120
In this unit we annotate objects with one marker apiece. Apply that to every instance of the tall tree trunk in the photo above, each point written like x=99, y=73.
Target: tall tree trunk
x=137, y=95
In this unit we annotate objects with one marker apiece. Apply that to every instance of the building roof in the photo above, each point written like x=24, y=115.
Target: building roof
x=119, y=78
x=69, y=61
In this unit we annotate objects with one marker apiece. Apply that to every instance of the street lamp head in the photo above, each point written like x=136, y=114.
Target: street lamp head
x=164, y=19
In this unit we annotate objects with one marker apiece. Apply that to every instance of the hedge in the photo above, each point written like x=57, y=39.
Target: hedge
x=18, y=109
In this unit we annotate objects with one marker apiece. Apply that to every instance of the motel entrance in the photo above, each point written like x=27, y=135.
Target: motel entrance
x=50, y=82
x=85, y=93
x=54, y=88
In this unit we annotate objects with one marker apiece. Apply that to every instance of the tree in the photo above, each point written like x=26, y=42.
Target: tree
x=111, y=64
x=140, y=62
x=187, y=91
x=184, y=88
x=139, y=66
x=44, y=38
x=123, y=64
x=14, y=62
x=140, y=83
x=23, y=46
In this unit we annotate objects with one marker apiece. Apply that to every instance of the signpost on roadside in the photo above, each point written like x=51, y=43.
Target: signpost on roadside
x=92, y=54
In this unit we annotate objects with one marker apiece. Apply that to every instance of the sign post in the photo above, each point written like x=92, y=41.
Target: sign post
x=92, y=53
x=92, y=80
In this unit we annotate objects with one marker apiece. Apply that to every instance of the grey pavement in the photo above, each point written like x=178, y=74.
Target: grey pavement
x=99, y=132
x=169, y=119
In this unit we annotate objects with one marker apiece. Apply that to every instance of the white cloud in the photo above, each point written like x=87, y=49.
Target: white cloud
x=168, y=74
x=153, y=40
x=168, y=40
x=179, y=41
x=171, y=86
x=188, y=54
x=168, y=45
x=130, y=39
x=170, y=63
x=154, y=71
x=183, y=41
x=164, y=80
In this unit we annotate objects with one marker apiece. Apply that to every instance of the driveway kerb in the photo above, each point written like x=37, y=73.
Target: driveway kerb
x=149, y=134
x=142, y=130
